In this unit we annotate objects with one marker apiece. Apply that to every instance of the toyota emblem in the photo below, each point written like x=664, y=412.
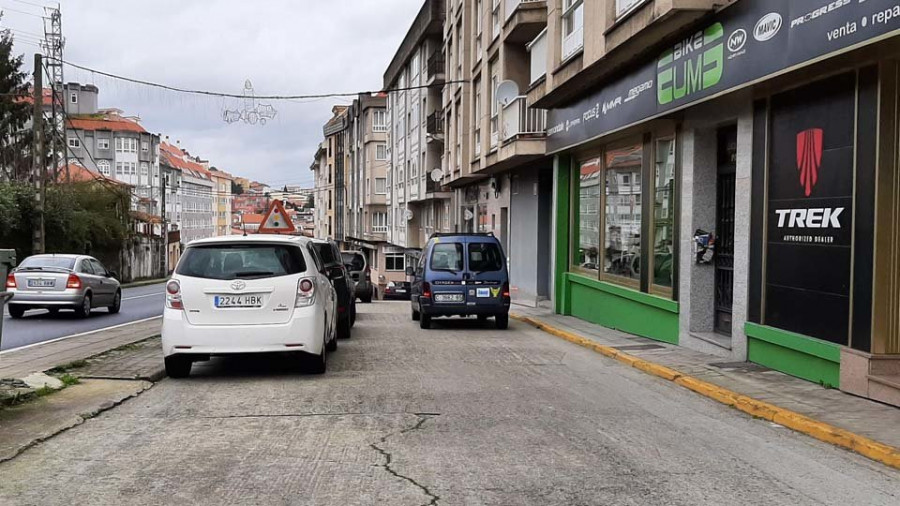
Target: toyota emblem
x=238, y=285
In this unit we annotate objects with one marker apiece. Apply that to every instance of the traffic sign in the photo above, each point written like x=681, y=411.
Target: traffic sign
x=277, y=221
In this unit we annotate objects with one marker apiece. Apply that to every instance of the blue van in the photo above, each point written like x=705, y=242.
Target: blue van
x=461, y=275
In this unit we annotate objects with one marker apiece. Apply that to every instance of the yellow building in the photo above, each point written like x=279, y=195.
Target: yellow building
x=222, y=200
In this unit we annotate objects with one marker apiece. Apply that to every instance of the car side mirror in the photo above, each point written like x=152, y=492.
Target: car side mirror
x=112, y=275
x=410, y=271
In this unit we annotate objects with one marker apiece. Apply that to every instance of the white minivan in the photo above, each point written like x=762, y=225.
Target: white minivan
x=248, y=294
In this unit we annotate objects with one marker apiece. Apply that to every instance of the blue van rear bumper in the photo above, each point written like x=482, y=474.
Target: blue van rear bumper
x=433, y=309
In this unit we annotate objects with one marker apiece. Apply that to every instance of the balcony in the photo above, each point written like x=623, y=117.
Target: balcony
x=436, y=68
x=434, y=126
x=519, y=120
x=537, y=52
x=573, y=42
x=524, y=20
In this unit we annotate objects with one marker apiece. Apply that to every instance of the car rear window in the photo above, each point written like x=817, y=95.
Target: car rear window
x=47, y=262
x=485, y=257
x=447, y=256
x=244, y=261
x=354, y=261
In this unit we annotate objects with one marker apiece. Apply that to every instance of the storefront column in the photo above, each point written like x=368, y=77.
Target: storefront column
x=561, y=224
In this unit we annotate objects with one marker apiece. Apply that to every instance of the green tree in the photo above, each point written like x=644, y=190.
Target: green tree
x=15, y=112
x=311, y=202
x=236, y=189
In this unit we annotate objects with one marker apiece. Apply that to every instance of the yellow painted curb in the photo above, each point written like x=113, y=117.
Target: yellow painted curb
x=822, y=431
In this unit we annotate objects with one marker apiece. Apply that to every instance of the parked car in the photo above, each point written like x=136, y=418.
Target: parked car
x=397, y=290
x=360, y=273
x=255, y=294
x=461, y=275
x=337, y=272
x=55, y=282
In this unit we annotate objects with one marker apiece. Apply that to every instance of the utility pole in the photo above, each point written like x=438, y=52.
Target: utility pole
x=165, y=224
x=38, y=171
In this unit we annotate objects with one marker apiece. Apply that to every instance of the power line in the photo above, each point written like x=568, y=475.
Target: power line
x=10, y=9
x=258, y=97
x=34, y=4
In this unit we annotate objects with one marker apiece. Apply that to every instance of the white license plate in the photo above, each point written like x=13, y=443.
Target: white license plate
x=41, y=283
x=230, y=301
x=448, y=297
x=401, y=291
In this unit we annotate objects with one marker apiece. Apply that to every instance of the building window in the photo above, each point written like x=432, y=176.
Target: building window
x=145, y=146
x=394, y=262
x=495, y=19
x=379, y=120
x=381, y=151
x=479, y=27
x=119, y=145
x=74, y=142
x=102, y=143
x=663, y=214
x=379, y=222
x=478, y=111
x=572, y=27
x=120, y=168
x=133, y=167
x=380, y=186
x=103, y=167
x=622, y=221
x=625, y=6
x=73, y=98
x=145, y=168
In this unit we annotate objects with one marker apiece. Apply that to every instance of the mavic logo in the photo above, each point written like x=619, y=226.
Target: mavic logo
x=810, y=218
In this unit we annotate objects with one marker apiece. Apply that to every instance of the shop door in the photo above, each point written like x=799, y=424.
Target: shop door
x=724, y=259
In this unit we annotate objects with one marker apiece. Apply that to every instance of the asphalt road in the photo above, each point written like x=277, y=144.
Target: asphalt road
x=38, y=326
x=458, y=415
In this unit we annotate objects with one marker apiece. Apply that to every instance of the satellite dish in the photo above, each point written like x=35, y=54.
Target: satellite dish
x=437, y=175
x=507, y=91
x=468, y=215
x=409, y=215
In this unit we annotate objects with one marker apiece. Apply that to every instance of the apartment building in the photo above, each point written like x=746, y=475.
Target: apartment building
x=222, y=200
x=194, y=193
x=418, y=203
x=336, y=158
x=117, y=146
x=367, y=167
x=495, y=149
x=322, y=192
x=769, y=126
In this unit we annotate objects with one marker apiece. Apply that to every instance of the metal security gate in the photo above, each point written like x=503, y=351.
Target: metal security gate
x=724, y=262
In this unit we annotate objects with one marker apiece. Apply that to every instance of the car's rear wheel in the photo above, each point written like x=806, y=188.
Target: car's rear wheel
x=316, y=364
x=502, y=321
x=178, y=366
x=333, y=344
x=84, y=310
x=16, y=311
x=424, y=321
x=416, y=316
x=117, y=303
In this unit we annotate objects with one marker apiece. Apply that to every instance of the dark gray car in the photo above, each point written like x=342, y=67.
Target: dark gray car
x=55, y=282
x=358, y=266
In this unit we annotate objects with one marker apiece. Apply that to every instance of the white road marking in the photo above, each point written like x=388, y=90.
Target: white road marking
x=143, y=296
x=83, y=334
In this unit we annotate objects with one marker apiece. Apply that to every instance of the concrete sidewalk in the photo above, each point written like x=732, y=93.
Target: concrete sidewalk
x=871, y=419
x=21, y=362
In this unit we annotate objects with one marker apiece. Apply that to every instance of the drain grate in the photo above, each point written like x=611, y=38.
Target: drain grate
x=639, y=347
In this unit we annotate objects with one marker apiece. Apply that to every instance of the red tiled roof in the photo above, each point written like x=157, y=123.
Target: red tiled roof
x=176, y=158
x=253, y=219
x=115, y=124
x=78, y=173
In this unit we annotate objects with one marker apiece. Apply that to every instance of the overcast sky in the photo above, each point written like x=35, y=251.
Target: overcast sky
x=291, y=47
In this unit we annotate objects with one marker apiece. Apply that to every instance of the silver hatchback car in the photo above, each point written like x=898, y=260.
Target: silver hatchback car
x=55, y=282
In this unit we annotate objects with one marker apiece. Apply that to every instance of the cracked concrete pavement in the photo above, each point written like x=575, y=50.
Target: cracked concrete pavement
x=463, y=414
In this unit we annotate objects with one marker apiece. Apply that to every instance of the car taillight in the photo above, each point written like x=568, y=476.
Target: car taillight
x=73, y=282
x=426, y=290
x=506, y=295
x=173, y=295
x=11, y=281
x=306, y=293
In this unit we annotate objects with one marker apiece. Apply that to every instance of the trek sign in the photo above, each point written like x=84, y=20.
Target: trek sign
x=746, y=42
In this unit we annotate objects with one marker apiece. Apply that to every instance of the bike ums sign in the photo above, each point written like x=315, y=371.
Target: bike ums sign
x=748, y=41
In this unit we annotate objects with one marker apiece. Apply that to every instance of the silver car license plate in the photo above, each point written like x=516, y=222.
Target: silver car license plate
x=239, y=301
x=448, y=297
x=41, y=283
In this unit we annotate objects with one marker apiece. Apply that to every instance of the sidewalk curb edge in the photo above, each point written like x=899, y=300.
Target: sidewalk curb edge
x=803, y=424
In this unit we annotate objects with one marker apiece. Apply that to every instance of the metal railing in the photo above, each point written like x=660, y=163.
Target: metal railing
x=436, y=65
x=435, y=123
x=512, y=5
x=517, y=119
x=573, y=42
x=537, y=50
